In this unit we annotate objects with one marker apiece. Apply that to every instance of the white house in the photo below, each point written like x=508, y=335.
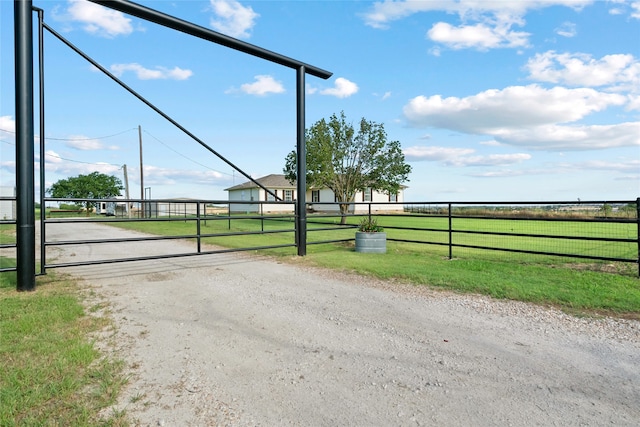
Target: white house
x=318, y=199
x=7, y=207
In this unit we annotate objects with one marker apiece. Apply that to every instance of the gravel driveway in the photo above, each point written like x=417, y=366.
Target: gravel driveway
x=245, y=341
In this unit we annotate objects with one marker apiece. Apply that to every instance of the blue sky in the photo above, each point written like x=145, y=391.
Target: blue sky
x=491, y=100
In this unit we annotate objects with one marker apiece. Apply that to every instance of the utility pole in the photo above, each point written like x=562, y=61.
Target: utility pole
x=141, y=173
x=141, y=169
x=126, y=190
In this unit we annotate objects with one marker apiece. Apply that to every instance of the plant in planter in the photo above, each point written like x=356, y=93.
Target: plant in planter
x=370, y=225
x=370, y=237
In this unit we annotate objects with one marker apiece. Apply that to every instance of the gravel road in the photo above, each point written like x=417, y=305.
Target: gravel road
x=238, y=340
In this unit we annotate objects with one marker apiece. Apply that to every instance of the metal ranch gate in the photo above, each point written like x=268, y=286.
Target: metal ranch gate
x=24, y=100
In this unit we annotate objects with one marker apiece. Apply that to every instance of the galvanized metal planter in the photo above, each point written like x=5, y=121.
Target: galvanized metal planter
x=372, y=243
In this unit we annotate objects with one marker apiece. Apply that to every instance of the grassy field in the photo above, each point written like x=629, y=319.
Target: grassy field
x=7, y=234
x=407, y=230
x=586, y=287
x=51, y=372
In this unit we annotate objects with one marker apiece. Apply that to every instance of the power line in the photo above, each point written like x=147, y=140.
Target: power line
x=79, y=161
x=90, y=139
x=186, y=157
x=113, y=135
x=63, y=158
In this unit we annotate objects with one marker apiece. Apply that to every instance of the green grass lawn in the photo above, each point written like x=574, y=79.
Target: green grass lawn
x=7, y=234
x=51, y=372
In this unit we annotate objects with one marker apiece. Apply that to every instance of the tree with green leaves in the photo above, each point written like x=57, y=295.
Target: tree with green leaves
x=95, y=185
x=347, y=159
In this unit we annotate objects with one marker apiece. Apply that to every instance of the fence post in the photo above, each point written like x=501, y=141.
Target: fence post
x=295, y=227
x=450, y=235
x=198, y=223
x=301, y=170
x=638, y=232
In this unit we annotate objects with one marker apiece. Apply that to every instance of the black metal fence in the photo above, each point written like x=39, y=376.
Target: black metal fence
x=606, y=231
x=7, y=232
x=598, y=231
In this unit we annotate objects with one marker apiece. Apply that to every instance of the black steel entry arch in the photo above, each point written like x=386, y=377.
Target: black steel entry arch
x=25, y=135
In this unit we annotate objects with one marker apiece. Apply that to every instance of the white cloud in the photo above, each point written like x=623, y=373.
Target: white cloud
x=492, y=110
x=52, y=157
x=484, y=24
x=176, y=73
x=166, y=176
x=528, y=116
x=98, y=19
x=567, y=29
x=10, y=167
x=263, y=86
x=83, y=143
x=577, y=137
x=621, y=166
x=386, y=11
x=621, y=7
x=617, y=71
x=461, y=157
x=343, y=88
x=383, y=96
x=479, y=36
x=434, y=153
x=232, y=18
x=54, y=163
x=635, y=7
x=632, y=178
x=634, y=103
x=507, y=173
x=8, y=124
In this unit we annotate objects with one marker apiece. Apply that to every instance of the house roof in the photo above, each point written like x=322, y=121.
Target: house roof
x=269, y=181
x=275, y=181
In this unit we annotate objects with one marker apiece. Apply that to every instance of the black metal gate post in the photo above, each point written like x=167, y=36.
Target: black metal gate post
x=301, y=202
x=25, y=207
x=41, y=131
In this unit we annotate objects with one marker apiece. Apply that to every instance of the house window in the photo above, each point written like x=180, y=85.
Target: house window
x=366, y=195
x=270, y=197
x=315, y=196
x=288, y=195
x=393, y=197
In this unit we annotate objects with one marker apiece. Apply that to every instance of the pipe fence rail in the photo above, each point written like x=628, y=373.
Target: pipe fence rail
x=606, y=231
x=598, y=231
